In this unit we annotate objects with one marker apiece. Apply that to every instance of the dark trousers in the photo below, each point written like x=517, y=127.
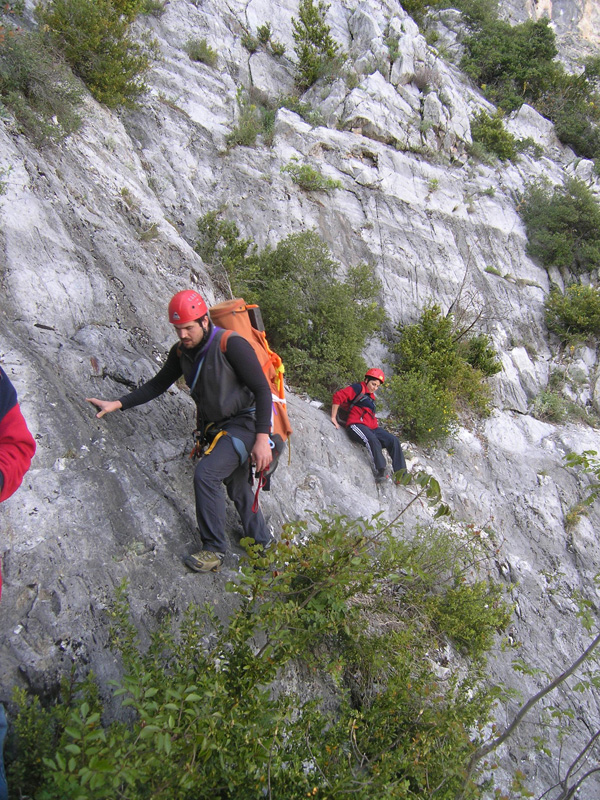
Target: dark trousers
x=222, y=465
x=375, y=439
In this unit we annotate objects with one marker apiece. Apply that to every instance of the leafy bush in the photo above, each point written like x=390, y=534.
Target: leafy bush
x=439, y=369
x=563, y=227
x=480, y=354
x=550, y=406
x=304, y=110
x=307, y=177
x=200, y=50
x=515, y=64
x=250, y=123
x=37, y=87
x=458, y=612
x=572, y=102
x=94, y=37
x=315, y=49
x=492, y=134
x=424, y=410
x=574, y=315
x=250, y=42
x=317, y=322
x=511, y=62
x=264, y=33
x=348, y=604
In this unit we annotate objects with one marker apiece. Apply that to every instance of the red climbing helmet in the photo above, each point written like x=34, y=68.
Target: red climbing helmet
x=375, y=373
x=185, y=307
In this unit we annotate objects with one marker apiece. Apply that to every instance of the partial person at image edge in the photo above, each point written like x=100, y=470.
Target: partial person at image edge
x=17, y=445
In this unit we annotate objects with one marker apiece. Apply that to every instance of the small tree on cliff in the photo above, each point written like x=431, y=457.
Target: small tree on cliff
x=315, y=48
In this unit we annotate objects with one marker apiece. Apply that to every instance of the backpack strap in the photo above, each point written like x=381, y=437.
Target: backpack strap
x=224, y=338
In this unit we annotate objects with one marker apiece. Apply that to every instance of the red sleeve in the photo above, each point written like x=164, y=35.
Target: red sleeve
x=344, y=396
x=17, y=447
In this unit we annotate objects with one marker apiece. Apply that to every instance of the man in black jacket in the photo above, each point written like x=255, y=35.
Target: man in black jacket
x=233, y=400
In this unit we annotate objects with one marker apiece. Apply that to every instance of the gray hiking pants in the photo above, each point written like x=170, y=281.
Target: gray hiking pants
x=222, y=465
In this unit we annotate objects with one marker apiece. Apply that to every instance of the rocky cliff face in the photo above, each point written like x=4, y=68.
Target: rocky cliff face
x=97, y=233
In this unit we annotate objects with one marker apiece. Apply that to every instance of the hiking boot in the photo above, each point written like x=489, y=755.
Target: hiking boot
x=381, y=476
x=204, y=561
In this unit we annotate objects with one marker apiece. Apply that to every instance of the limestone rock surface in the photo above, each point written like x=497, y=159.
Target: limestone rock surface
x=96, y=234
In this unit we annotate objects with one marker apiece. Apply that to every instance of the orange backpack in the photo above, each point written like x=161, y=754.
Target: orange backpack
x=236, y=315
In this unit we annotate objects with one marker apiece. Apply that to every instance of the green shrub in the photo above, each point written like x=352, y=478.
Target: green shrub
x=550, y=406
x=317, y=322
x=277, y=48
x=153, y=8
x=512, y=63
x=492, y=134
x=515, y=64
x=572, y=102
x=307, y=177
x=93, y=36
x=424, y=411
x=250, y=123
x=264, y=33
x=480, y=354
x=315, y=49
x=439, y=371
x=575, y=315
x=350, y=606
x=250, y=42
x=37, y=87
x=563, y=226
x=470, y=614
x=304, y=110
x=200, y=50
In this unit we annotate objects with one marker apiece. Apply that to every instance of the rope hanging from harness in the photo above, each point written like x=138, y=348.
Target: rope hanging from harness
x=262, y=482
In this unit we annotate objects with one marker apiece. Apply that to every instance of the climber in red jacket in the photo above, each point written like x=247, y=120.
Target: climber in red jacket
x=17, y=445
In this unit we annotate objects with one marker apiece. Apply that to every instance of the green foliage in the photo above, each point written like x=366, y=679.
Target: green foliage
x=309, y=178
x=550, y=406
x=492, y=134
x=200, y=50
x=317, y=322
x=304, y=110
x=264, y=33
x=575, y=315
x=250, y=123
x=590, y=464
x=480, y=354
x=250, y=42
x=347, y=605
x=572, y=102
x=512, y=63
x=458, y=613
x=37, y=87
x=315, y=49
x=563, y=226
x=439, y=369
x=423, y=409
x=153, y=8
x=515, y=64
x=93, y=36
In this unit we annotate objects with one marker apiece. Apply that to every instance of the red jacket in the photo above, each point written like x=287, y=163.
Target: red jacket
x=363, y=412
x=17, y=445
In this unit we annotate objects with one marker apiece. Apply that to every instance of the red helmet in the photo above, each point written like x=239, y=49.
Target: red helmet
x=375, y=373
x=185, y=307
